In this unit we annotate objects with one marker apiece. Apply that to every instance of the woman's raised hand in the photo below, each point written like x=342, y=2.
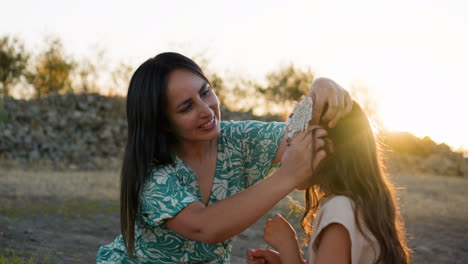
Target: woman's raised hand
x=325, y=91
x=304, y=153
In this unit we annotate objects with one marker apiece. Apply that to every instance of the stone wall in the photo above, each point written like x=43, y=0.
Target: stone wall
x=71, y=131
x=88, y=132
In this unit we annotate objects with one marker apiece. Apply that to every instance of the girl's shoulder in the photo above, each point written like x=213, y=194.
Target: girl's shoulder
x=338, y=209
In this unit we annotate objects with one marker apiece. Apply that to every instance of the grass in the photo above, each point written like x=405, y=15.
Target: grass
x=433, y=206
x=17, y=208
x=13, y=257
x=70, y=194
x=72, y=185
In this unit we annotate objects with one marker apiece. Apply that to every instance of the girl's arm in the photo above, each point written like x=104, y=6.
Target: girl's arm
x=279, y=234
x=226, y=218
x=263, y=256
x=334, y=245
x=324, y=92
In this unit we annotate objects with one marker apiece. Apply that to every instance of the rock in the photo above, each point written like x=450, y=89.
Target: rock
x=89, y=131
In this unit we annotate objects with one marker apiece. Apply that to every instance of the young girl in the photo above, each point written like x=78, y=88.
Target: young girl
x=351, y=203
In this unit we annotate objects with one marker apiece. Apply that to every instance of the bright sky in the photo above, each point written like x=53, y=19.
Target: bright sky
x=412, y=55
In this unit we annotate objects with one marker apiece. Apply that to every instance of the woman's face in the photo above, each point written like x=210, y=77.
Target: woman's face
x=193, y=107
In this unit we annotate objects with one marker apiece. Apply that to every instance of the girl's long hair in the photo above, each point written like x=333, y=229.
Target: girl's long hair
x=354, y=168
x=149, y=140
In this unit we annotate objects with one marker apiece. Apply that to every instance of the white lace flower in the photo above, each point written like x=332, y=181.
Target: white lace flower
x=300, y=117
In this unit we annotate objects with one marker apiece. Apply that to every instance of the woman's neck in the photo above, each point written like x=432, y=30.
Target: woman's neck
x=196, y=150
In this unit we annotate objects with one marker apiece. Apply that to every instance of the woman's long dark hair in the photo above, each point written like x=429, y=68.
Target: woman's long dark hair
x=354, y=169
x=149, y=140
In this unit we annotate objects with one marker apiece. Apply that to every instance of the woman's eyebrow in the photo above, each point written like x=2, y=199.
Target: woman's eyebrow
x=184, y=102
x=204, y=84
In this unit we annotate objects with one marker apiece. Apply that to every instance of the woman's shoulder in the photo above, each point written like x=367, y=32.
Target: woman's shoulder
x=238, y=124
x=162, y=170
x=233, y=128
x=249, y=127
x=161, y=174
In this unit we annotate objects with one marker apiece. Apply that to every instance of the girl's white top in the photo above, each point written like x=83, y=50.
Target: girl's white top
x=300, y=117
x=339, y=209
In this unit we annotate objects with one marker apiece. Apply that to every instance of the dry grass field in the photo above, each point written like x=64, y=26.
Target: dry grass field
x=58, y=217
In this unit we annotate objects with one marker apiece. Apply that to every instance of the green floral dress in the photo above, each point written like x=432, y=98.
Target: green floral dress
x=245, y=152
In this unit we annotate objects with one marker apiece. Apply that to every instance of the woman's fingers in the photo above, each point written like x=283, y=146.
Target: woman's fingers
x=314, y=130
x=320, y=132
x=348, y=104
x=333, y=107
x=329, y=144
x=339, y=113
x=319, y=143
x=313, y=136
x=319, y=156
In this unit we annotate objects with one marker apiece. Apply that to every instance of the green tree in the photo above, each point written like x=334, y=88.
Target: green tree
x=13, y=62
x=52, y=71
x=121, y=76
x=87, y=74
x=286, y=85
x=219, y=87
x=89, y=71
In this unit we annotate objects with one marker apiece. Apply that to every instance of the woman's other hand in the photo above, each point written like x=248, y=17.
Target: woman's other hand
x=302, y=156
x=325, y=91
x=263, y=256
x=279, y=234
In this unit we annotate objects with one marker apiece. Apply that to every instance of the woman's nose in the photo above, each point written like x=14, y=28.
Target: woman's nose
x=205, y=109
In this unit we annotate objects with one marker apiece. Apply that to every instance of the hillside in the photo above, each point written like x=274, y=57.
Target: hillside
x=88, y=132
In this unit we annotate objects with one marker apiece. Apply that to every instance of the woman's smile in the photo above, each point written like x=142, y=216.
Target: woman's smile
x=210, y=124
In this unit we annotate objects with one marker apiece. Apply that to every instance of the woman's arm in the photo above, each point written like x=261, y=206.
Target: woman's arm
x=324, y=91
x=226, y=218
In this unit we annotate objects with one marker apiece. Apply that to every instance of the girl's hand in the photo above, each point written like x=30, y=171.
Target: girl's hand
x=279, y=234
x=304, y=153
x=325, y=91
x=263, y=256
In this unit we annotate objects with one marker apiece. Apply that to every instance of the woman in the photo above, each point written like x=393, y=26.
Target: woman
x=184, y=171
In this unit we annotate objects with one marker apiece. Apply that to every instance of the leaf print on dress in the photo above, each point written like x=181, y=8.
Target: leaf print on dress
x=219, y=189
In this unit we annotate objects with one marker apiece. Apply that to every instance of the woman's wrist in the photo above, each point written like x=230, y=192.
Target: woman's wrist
x=286, y=176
